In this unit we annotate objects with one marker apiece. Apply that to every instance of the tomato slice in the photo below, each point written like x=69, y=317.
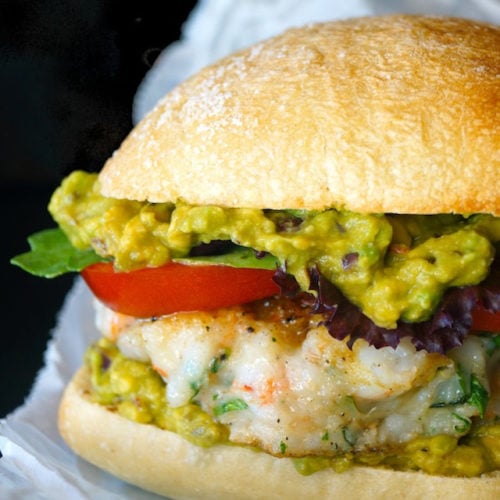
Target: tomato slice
x=485, y=321
x=177, y=287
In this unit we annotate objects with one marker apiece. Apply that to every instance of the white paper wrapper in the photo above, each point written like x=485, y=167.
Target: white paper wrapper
x=36, y=464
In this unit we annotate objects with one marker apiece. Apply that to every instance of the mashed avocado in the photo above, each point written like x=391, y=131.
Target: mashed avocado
x=439, y=455
x=137, y=392
x=393, y=267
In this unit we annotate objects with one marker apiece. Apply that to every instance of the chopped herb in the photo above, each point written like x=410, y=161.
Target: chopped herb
x=231, y=405
x=462, y=378
x=479, y=396
x=283, y=447
x=462, y=388
x=349, y=436
x=216, y=361
x=195, y=387
x=464, y=425
x=492, y=343
x=452, y=392
x=325, y=436
x=214, y=365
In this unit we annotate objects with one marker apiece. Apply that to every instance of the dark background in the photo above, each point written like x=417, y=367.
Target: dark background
x=68, y=74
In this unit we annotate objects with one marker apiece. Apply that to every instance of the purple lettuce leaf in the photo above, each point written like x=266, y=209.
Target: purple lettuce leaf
x=446, y=329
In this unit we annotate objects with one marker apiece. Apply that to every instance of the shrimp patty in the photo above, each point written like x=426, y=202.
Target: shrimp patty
x=271, y=372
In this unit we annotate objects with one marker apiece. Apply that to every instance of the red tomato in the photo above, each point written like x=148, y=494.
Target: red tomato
x=177, y=287
x=485, y=320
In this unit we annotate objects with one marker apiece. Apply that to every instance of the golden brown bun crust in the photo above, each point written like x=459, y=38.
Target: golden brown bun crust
x=165, y=463
x=377, y=114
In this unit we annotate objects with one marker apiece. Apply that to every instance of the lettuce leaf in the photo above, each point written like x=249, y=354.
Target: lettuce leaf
x=52, y=254
x=237, y=256
x=448, y=327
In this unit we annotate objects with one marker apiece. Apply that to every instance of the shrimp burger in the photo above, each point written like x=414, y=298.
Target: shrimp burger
x=294, y=263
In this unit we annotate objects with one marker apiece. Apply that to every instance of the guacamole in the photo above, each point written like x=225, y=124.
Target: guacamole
x=137, y=392
x=391, y=266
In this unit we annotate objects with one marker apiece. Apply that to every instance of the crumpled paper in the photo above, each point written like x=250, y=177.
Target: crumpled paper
x=35, y=462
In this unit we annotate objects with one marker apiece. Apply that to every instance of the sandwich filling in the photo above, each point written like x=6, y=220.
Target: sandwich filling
x=393, y=267
x=368, y=355
x=268, y=375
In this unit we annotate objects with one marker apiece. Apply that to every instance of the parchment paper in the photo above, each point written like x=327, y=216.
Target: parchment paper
x=35, y=462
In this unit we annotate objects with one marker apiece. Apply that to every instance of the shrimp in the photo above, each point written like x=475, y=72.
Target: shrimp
x=274, y=375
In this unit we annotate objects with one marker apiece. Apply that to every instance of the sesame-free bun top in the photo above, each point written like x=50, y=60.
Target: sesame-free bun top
x=377, y=114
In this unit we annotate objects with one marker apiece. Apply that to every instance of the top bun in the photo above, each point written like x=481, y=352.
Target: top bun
x=378, y=114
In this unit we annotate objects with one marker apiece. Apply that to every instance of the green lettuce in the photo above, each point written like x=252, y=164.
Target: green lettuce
x=52, y=255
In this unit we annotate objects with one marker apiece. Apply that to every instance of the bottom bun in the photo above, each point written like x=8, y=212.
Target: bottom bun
x=165, y=463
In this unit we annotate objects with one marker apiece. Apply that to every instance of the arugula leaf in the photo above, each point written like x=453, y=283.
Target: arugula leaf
x=52, y=254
